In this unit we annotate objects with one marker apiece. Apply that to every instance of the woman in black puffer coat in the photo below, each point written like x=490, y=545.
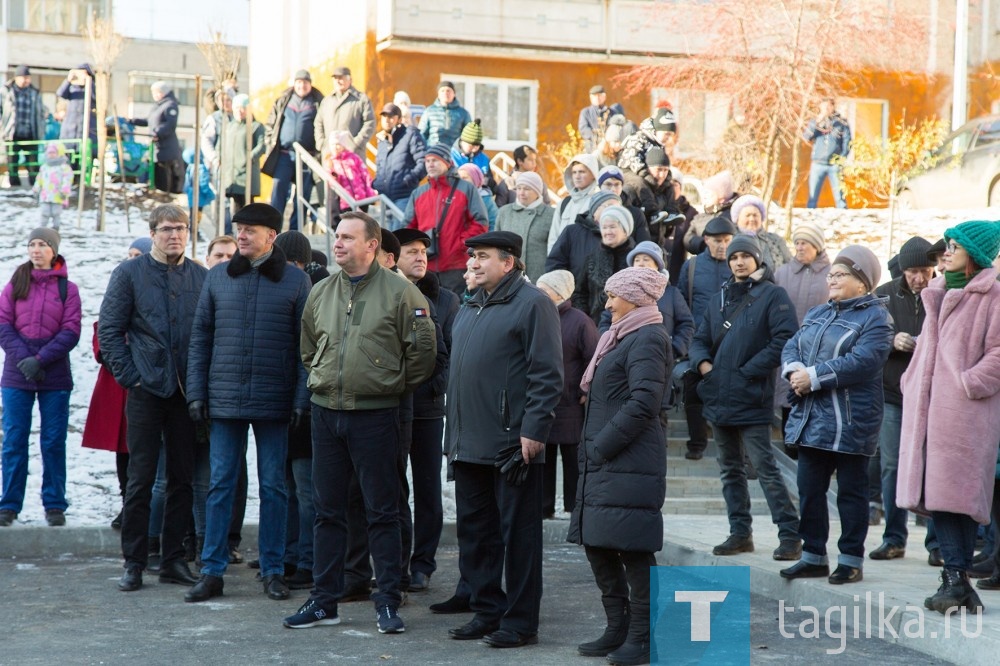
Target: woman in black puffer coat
x=609, y=258
x=623, y=463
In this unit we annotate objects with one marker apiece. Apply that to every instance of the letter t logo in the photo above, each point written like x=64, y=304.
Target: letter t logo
x=701, y=610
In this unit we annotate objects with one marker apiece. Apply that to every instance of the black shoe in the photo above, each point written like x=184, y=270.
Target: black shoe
x=888, y=551
x=693, y=455
x=788, y=550
x=388, y=621
x=806, y=570
x=55, y=517
x=177, y=572
x=253, y=564
x=505, y=638
x=845, y=574
x=302, y=579
x=615, y=632
x=991, y=583
x=275, y=587
x=7, y=518
x=206, y=588
x=981, y=570
x=419, y=581
x=153, y=557
x=356, y=593
x=734, y=545
x=875, y=515
x=982, y=556
x=452, y=606
x=955, y=591
x=116, y=524
x=934, y=558
x=131, y=580
x=474, y=630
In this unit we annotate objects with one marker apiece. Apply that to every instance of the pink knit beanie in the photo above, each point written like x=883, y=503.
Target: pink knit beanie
x=640, y=286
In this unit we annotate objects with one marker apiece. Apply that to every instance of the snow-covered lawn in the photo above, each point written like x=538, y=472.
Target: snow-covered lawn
x=92, y=485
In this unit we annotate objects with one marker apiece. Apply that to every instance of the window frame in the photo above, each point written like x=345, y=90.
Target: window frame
x=502, y=142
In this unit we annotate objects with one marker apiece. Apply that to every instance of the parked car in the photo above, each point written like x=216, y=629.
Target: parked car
x=966, y=173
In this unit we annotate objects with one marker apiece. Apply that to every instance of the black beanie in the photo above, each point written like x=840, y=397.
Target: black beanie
x=296, y=246
x=913, y=254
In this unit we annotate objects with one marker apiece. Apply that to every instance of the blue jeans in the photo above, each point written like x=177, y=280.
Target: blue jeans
x=816, y=467
x=226, y=452
x=156, y=504
x=394, y=223
x=281, y=187
x=756, y=439
x=54, y=409
x=301, y=514
x=895, y=531
x=956, y=533
x=818, y=173
x=365, y=442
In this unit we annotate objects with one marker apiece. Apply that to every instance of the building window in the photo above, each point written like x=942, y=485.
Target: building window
x=66, y=17
x=508, y=108
x=702, y=118
x=867, y=117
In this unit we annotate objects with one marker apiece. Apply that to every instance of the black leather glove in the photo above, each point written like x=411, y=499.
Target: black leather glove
x=298, y=419
x=31, y=368
x=198, y=411
x=511, y=463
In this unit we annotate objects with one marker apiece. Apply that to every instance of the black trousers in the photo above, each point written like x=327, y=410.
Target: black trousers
x=428, y=514
x=571, y=474
x=155, y=422
x=621, y=574
x=30, y=153
x=500, y=537
x=697, y=426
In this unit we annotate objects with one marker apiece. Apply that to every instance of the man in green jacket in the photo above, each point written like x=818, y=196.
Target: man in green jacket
x=367, y=338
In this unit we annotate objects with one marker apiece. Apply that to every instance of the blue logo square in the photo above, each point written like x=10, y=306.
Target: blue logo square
x=700, y=615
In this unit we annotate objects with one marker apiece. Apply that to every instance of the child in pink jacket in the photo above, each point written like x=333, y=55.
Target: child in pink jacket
x=349, y=169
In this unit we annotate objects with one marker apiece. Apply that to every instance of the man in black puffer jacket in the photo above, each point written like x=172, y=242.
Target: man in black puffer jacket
x=736, y=349
x=245, y=370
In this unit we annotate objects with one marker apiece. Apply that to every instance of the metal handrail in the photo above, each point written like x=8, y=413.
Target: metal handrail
x=303, y=156
x=508, y=163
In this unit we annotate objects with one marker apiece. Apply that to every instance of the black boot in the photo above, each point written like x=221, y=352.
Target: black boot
x=635, y=650
x=614, y=634
x=955, y=591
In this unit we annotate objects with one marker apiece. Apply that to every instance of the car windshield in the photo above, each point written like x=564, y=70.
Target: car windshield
x=954, y=145
x=988, y=134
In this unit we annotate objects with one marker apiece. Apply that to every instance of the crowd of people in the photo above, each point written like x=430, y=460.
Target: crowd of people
x=498, y=343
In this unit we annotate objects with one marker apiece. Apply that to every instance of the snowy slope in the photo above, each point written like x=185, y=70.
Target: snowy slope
x=92, y=486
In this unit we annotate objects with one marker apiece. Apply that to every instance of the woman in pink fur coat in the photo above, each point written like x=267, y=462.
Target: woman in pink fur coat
x=951, y=406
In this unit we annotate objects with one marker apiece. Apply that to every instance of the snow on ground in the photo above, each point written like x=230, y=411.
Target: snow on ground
x=92, y=485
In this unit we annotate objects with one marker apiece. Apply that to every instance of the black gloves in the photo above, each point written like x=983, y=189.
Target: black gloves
x=198, y=411
x=299, y=417
x=510, y=462
x=31, y=368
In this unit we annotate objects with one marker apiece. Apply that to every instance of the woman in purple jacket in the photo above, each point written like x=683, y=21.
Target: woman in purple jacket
x=39, y=325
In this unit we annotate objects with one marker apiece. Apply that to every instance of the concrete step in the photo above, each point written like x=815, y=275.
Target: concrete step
x=707, y=506
x=703, y=486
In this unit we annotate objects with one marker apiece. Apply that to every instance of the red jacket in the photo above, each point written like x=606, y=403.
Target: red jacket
x=105, y=426
x=466, y=218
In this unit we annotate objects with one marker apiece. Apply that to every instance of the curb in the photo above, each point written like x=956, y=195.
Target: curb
x=37, y=542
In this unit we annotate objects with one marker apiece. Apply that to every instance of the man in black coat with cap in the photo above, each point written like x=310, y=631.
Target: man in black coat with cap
x=505, y=382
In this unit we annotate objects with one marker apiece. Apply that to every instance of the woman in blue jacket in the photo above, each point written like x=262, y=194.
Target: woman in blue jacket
x=834, y=366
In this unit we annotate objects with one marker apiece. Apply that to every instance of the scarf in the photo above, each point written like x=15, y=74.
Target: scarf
x=957, y=279
x=633, y=321
x=534, y=204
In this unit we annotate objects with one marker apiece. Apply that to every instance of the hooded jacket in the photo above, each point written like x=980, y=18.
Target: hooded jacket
x=578, y=201
x=399, y=163
x=739, y=390
x=42, y=325
x=466, y=218
x=635, y=147
x=54, y=183
x=843, y=345
x=443, y=123
x=144, y=328
x=244, y=359
x=365, y=344
x=506, y=373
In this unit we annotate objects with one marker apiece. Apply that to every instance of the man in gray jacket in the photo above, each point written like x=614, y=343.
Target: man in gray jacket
x=145, y=331
x=505, y=382
x=348, y=109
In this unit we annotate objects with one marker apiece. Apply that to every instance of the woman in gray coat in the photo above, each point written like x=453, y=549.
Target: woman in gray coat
x=623, y=462
x=234, y=156
x=530, y=218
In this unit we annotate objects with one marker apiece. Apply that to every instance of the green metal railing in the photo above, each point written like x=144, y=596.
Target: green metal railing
x=33, y=159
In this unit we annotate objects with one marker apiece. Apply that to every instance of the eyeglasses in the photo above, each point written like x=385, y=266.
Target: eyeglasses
x=170, y=231
x=952, y=247
x=836, y=277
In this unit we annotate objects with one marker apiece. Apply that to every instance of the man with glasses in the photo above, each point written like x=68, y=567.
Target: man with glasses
x=144, y=331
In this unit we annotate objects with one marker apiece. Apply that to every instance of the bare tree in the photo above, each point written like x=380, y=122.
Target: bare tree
x=106, y=46
x=778, y=58
x=224, y=61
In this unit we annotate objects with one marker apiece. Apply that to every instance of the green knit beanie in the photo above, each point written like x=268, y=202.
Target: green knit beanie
x=473, y=133
x=980, y=238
